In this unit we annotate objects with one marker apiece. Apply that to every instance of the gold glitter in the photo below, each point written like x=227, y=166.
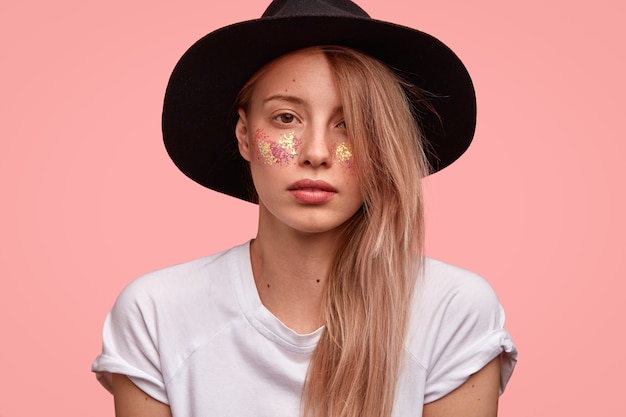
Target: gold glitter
x=287, y=143
x=266, y=153
x=279, y=152
x=343, y=153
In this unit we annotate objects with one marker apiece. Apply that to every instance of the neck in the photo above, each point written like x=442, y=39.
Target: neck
x=290, y=271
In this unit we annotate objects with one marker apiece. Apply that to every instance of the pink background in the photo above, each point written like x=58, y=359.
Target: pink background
x=91, y=200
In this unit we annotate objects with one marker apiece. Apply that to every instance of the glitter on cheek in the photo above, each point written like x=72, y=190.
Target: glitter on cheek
x=277, y=152
x=288, y=143
x=266, y=154
x=264, y=147
x=343, y=153
x=286, y=148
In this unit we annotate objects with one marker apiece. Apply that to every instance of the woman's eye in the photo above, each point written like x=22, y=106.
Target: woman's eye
x=341, y=125
x=285, y=118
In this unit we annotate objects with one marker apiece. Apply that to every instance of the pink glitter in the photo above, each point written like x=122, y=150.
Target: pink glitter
x=279, y=152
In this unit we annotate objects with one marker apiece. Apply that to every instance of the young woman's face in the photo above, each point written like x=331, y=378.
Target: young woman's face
x=294, y=136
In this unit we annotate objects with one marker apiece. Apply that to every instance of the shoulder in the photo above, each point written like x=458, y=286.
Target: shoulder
x=160, y=318
x=185, y=281
x=169, y=300
x=457, y=327
x=453, y=290
x=449, y=297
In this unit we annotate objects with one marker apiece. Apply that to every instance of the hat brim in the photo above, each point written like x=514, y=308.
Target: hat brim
x=198, y=115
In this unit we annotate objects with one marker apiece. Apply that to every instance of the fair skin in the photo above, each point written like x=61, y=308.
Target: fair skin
x=298, y=228
x=291, y=134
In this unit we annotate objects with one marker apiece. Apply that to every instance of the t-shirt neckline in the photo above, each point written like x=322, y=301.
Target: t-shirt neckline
x=261, y=318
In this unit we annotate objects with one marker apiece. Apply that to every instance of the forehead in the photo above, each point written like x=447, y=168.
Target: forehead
x=302, y=71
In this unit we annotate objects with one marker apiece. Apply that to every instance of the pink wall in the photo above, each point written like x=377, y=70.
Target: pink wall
x=90, y=199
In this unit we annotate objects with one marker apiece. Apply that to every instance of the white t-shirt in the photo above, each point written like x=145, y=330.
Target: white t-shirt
x=196, y=336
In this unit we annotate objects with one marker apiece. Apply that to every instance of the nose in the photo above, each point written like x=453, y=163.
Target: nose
x=315, y=149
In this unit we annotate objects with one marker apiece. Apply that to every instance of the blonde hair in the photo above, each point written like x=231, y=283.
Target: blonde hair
x=355, y=368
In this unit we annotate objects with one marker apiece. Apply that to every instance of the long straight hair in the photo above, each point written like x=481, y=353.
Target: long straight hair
x=355, y=367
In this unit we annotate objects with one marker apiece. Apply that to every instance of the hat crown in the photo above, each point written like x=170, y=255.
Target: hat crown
x=290, y=8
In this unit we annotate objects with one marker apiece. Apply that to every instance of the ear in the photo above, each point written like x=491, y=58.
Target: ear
x=242, y=131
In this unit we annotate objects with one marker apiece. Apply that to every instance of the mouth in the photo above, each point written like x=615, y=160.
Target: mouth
x=312, y=185
x=312, y=191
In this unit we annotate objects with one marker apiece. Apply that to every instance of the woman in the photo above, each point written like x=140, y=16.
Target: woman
x=331, y=310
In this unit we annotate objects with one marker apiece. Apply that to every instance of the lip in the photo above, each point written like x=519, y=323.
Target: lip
x=310, y=191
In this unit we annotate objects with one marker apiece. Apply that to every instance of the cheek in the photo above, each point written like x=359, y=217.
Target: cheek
x=275, y=151
x=343, y=155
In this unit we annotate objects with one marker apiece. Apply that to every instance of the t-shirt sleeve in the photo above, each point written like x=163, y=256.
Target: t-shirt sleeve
x=130, y=343
x=469, y=333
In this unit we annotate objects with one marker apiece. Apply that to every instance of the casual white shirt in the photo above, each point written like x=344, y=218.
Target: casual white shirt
x=197, y=337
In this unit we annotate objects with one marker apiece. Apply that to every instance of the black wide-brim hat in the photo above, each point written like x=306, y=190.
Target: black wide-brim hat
x=199, y=117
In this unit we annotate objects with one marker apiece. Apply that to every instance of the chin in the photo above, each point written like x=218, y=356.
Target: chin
x=318, y=228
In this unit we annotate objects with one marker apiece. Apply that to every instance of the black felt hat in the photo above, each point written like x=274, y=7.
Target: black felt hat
x=199, y=118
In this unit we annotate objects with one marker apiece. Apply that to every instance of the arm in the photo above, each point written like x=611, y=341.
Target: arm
x=477, y=397
x=130, y=401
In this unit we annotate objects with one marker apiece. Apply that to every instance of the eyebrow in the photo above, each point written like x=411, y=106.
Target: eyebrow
x=283, y=97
